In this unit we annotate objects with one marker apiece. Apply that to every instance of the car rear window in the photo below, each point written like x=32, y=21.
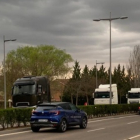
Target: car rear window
x=46, y=107
x=65, y=106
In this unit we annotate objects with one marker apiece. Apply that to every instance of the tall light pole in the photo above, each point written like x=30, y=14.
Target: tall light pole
x=110, y=19
x=5, y=40
x=96, y=71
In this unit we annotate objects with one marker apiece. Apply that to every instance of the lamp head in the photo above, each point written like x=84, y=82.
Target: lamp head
x=96, y=19
x=123, y=17
x=13, y=39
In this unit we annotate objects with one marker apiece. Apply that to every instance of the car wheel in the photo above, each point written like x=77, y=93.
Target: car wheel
x=35, y=129
x=63, y=126
x=83, y=123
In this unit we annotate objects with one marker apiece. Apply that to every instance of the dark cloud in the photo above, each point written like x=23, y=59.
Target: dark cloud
x=68, y=24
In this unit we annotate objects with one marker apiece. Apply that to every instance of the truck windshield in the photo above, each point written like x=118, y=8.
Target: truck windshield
x=24, y=89
x=102, y=95
x=133, y=95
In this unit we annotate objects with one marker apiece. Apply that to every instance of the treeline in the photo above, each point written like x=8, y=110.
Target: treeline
x=53, y=62
x=80, y=87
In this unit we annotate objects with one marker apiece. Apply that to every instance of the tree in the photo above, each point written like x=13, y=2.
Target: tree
x=69, y=91
x=130, y=77
x=122, y=81
x=76, y=77
x=39, y=60
x=134, y=65
x=87, y=84
x=102, y=75
x=92, y=71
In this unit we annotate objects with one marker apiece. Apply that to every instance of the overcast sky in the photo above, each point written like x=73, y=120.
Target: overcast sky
x=69, y=25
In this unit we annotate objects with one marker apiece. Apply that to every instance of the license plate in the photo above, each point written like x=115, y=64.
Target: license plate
x=43, y=120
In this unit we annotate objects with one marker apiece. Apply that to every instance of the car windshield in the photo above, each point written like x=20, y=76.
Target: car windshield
x=24, y=89
x=45, y=107
x=102, y=95
x=133, y=95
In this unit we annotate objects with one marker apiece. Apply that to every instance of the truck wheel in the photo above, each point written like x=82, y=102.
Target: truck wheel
x=63, y=126
x=35, y=129
x=83, y=123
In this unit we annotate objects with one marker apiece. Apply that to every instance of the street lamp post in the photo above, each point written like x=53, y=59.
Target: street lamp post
x=96, y=71
x=110, y=19
x=5, y=40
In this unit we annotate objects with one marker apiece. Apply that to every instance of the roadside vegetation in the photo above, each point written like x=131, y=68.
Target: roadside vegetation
x=15, y=117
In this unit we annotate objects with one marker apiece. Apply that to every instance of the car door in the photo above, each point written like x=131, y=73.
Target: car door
x=77, y=114
x=68, y=112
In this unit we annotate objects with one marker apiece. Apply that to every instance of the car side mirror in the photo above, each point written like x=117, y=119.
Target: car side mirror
x=78, y=110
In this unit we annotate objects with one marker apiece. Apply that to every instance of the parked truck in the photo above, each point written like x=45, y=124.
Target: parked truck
x=30, y=91
x=133, y=96
x=102, y=94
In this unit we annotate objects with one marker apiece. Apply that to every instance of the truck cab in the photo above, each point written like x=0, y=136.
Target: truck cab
x=133, y=96
x=29, y=91
x=102, y=94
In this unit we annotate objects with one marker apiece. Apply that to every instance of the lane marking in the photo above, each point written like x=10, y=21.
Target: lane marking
x=110, y=119
x=13, y=133
x=132, y=122
x=95, y=129
x=20, y=132
x=87, y=131
x=134, y=137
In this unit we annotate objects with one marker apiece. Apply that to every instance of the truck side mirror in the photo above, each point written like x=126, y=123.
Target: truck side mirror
x=39, y=89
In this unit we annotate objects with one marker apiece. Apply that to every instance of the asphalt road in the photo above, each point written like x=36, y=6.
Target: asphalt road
x=106, y=128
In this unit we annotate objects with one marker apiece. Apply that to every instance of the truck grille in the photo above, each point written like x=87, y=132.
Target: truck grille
x=22, y=104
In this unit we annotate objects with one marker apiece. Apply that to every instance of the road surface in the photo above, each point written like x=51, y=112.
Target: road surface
x=122, y=127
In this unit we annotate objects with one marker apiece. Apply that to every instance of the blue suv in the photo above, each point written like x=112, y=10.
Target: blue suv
x=60, y=115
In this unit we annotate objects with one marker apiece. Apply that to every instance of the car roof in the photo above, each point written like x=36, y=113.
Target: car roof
x=51, y=103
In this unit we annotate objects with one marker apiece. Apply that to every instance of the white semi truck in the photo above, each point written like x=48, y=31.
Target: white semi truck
x=133, y=96
x=102, y=94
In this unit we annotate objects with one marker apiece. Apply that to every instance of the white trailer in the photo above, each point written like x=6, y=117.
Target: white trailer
x=102, y=94
x=133, y=96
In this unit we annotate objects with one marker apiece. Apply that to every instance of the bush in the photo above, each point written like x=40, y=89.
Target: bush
x=102, y=110
x=10, y=117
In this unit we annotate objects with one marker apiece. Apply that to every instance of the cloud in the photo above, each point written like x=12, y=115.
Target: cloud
x=69, y=25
